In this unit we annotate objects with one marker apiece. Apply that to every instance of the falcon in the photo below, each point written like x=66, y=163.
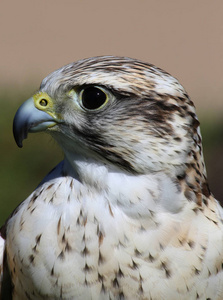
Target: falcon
x=128, y=213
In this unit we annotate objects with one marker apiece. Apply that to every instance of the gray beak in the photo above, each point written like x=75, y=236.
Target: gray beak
x=27, y=119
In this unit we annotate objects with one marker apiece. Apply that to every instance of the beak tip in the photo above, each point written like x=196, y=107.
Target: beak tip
x=19, y=144
x=21, y=122
x=18, y=136
x=18, y=141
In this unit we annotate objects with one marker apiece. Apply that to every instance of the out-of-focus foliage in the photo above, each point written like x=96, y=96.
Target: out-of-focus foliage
x=21, y=170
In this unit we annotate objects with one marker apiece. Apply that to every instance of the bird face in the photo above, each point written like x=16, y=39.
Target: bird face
x=121, y=111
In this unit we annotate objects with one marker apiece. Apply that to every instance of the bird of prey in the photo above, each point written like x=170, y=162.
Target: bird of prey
x=128, y=213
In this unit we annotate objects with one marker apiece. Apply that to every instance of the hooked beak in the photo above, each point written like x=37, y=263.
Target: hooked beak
x=29, y=118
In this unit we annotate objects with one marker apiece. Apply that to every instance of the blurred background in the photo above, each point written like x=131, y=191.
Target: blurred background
x=184, y=38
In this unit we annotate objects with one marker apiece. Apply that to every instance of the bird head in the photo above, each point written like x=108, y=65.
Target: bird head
x=119, y=110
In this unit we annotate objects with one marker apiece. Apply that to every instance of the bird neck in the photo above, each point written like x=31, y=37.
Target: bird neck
x=140, y=194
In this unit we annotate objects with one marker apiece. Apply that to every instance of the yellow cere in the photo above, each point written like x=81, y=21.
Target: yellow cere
x=44, y=102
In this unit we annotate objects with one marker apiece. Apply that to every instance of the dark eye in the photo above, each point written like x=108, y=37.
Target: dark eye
x=93, y=98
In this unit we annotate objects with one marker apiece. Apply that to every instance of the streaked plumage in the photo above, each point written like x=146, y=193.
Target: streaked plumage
x=128, y=214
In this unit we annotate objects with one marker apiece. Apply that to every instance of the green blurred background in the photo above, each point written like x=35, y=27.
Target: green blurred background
x=36, y=37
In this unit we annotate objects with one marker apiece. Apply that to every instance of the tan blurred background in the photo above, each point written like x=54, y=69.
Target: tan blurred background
x=183, y=37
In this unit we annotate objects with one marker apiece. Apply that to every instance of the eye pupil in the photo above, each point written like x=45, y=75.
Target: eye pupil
x=43, y=102
x=93, y=98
